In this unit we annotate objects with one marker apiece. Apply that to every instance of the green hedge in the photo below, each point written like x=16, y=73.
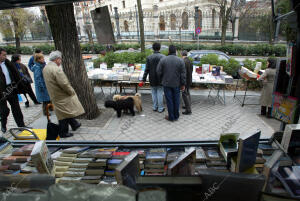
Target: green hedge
x=239, y=50
x=126, y=57
x=230, y=49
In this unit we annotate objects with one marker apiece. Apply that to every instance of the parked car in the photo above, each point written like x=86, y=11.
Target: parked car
x=198, y=54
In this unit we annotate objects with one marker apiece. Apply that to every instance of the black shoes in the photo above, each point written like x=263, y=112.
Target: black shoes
x=76, y=127
x=37, y=103
x=66, y=135
x=26, y=104
x=186, y=113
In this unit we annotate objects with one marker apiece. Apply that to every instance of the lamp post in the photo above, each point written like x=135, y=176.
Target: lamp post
x=196, y=19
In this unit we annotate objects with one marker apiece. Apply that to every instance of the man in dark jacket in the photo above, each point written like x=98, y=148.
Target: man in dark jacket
x=10, y=81
x=155, y=82
x=186, y=93
x=171, y=70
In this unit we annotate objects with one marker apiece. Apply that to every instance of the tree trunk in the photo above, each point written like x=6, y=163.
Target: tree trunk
x=18, y=44
x=141, y=21
x=64, y=32
x=223, y=36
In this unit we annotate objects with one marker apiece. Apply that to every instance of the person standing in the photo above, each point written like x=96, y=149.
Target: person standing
x=171, y=71
x=10, y=82
x=155, y=82
x=268, y=78
x=39, y=82
x=186, y=93
x=63, y=96
x=31, y=60
x=26, y=79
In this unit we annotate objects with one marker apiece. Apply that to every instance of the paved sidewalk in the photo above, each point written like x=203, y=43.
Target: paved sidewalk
x=207, y=121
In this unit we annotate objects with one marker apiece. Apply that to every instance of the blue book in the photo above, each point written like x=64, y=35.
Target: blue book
x=247, y=151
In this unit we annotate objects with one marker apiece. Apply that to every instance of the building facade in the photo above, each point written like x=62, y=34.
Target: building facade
x=162, y=18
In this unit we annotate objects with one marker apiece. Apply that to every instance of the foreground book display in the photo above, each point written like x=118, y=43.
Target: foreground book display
x=198, y=169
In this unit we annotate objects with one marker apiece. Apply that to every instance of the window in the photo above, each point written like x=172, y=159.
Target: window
x=123, y=4
x=173, y=21
x=185, y=21
x=162, y=24
x=126, y=27
x=199, y=23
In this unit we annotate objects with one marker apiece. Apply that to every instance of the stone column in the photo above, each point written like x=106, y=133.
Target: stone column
x=155, y=22
x=117, y=23
x=236, y=26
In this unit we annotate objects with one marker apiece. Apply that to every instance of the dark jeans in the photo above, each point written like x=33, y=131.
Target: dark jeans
x=30, y=93
x=13, y=100
x=64, y=125
x=172, y=95
x=187, y=99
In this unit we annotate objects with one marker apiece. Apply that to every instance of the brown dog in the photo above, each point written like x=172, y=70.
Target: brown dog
x=136, y=98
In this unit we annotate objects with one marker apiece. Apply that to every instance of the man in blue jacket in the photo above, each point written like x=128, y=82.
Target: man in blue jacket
x=171, y=70
x=31, y=60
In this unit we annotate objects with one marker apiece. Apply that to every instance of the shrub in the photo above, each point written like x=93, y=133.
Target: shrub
x=211, y=59
x=26, y=50
x=10, y=49
x=46, y=48
x=231, y=67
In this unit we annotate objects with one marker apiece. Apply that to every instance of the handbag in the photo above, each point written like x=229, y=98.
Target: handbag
x=52, y=128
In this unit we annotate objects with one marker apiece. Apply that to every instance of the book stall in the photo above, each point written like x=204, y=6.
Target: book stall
x=124, y=75
x=233, y=168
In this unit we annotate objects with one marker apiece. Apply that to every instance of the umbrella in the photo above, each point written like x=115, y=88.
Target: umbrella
x=52, y=128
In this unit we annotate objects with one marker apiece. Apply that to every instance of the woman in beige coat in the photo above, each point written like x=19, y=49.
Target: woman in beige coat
x=268, y=78
x=62, y=95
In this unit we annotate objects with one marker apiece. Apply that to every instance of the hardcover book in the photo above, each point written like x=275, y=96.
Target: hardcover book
x=79, y=165
x=94, y=172
x=103, y=154
x=200, y=155
x=42, y=158
x=156, y=156
x=75, y=150
x=23, y=151
x=113, y=163
x=247, y=151
x=128, y=170
x=120, y=154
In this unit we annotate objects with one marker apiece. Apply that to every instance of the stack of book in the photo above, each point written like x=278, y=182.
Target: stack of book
x=200, y=161
x=68, y=166
x=5, y=147
x=15, y=160
x=155, y=162
x=215, y=161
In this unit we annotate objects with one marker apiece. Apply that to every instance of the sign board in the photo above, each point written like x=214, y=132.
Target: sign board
x=198, y=30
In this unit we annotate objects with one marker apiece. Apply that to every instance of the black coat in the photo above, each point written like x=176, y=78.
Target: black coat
x=189, y=71
x=171, y=70
x=151, y=67
x=15, y=77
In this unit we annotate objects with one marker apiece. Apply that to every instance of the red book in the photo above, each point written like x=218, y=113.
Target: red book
x=120, y=154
